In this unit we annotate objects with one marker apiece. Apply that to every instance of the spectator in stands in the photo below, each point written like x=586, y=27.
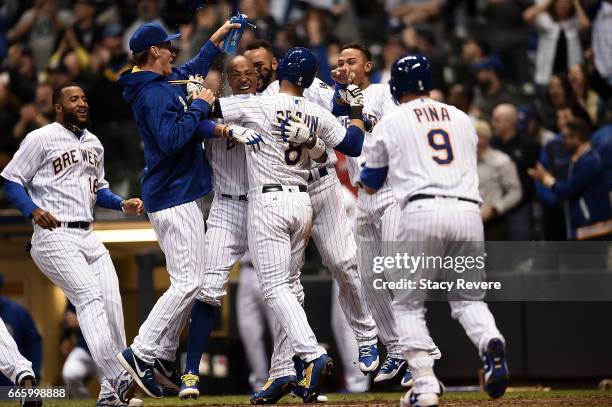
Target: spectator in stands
x=8, y=118
x=22, y=73
x=84, y=27
x=147, y=12
x=559, y=94
x=585, y=191
x=491, y=89
x=410, y=12
x=35, y=115
x=530, y=125
x=79, y=365
x=392, y=51
x=602, y=40
x=504, y=17
x=499, y=185
x=23, y=330
x=602, y=143
x=555, y=158
x=583, y=94
x=462, y=97
x=473, y=52
x=559, y=23
x=196, y=33
x=40, y=27
x=524, y=152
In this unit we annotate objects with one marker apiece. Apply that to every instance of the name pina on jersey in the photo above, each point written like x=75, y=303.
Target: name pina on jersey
x=70, y=158
x=431, y=113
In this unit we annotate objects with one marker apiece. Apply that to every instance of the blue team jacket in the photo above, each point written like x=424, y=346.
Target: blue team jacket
x=585, y=191
x=176, y=170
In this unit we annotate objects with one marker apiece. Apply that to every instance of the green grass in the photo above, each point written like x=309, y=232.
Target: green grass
x=585, y=397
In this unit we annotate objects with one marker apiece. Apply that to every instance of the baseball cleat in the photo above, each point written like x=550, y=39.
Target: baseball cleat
x=389, y=369
x=496, y=374
x=407, y=380
x=190, y=386
x=411, y=399
x=113, y=401
x=315, y=373
x=274, y=390
x=26, y=379
x=143, y=373
x=167, y=376
x=125, y=387
x=368, y=358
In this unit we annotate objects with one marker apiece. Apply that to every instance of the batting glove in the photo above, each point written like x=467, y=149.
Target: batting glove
x=245, y=136
x=195, y=84
x=353, y=96
x=292, y=129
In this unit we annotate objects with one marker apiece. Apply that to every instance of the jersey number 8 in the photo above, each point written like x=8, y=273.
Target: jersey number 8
x=440, y=141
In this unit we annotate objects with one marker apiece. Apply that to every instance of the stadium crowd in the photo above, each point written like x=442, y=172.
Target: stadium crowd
x=535, y=76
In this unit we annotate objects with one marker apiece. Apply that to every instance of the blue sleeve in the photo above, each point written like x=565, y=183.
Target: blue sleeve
x=581, y=178
x=373, y=177
x=19, y=198
x=172, y=126
x=547, y=197
x=200, y=64
x=352, y=142
x=32, y=343
x=107, y=199
x=206, y=129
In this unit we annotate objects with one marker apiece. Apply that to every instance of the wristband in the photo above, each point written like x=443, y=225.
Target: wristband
x=317, y=150
x=356, y=113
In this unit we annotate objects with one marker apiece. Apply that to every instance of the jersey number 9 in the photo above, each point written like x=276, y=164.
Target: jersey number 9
x=440, y=141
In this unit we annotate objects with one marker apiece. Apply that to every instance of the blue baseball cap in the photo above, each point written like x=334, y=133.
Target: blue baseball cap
x=147, y=35
x=491, y=63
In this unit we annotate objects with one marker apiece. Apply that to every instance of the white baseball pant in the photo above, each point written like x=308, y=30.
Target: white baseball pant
x=377, y=220
x=180, y=231
x=439, y=220
x=279, y=227
x=332, y=233
x=226, y=242
x=253, y=315
x=77, y=262
x=11, y=361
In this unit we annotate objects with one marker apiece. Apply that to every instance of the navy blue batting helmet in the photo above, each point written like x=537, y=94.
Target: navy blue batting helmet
x=411, y=73
x=299, y=66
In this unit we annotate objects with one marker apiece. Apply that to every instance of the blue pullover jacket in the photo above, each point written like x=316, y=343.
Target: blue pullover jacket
x=176, y=170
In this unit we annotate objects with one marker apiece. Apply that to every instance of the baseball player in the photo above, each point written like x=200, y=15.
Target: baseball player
x=226, y=236
x=61, y=166
x=175, y=179
x=279, y=209
x=16, y=367
x=427, y=150
x=377, y=215
x=331, y=230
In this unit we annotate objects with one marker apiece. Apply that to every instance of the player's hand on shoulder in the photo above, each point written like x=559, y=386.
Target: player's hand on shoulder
x=206, y=95
x=133, y=206
x=244, y=135
x=291, y=129
x=44, y=219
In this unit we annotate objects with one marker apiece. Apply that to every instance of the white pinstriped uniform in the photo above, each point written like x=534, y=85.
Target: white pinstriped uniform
x=430, y=148
x=376, y=221
x=226, y=236
x=11, y=361
x=331, y=232
x=279, y=222
x=62, y=172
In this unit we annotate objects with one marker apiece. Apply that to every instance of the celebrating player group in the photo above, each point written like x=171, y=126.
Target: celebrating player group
x=268, y=152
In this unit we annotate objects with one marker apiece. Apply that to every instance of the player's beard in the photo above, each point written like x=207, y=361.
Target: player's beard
x=264, y=80
x=71, y=119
